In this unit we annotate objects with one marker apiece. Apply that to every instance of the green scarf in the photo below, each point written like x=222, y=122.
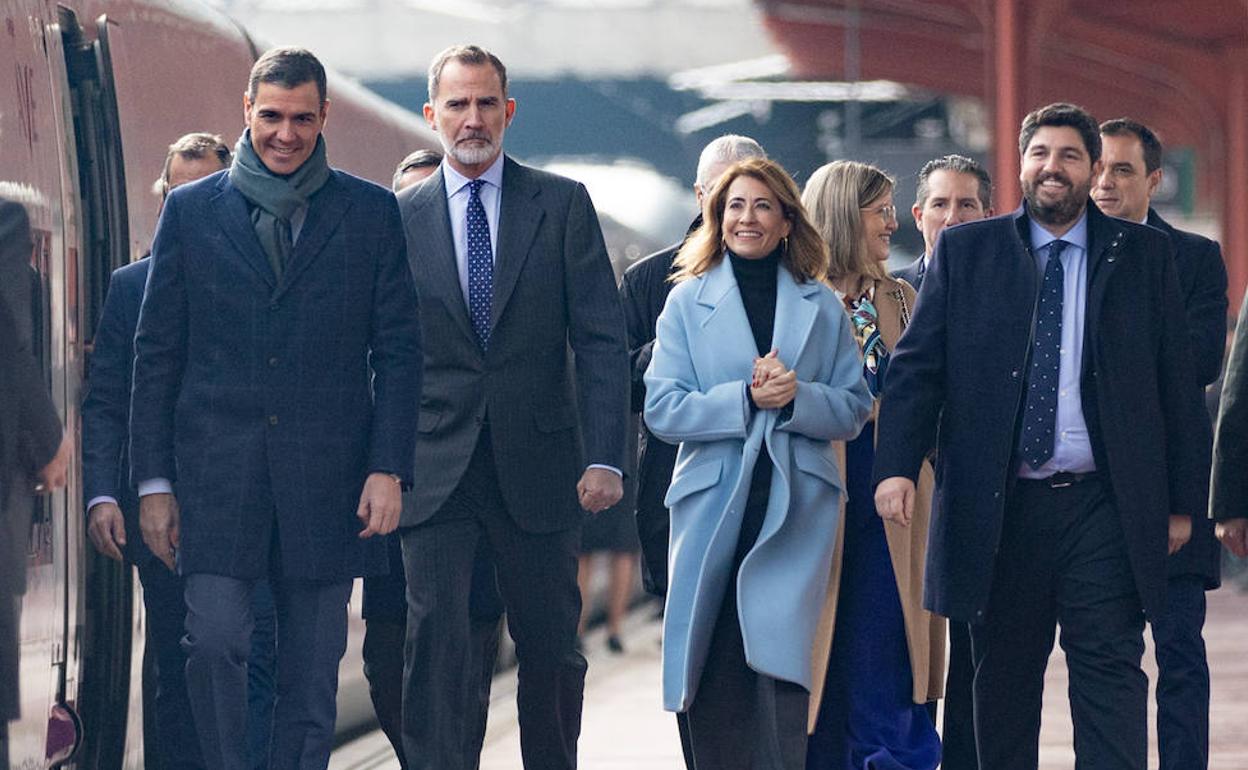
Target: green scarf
x=275, y=199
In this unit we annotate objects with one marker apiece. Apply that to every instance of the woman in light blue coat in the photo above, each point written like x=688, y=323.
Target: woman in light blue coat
x=754, y=373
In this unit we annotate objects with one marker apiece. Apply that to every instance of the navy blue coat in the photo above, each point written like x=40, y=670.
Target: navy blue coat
x=1202, y=281
x=106, y=408
x=254, y=394
x=965, y=352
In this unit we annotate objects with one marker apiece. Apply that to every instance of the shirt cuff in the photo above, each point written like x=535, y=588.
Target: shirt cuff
x=157, y=486
x=100, y=499
x=611, y=468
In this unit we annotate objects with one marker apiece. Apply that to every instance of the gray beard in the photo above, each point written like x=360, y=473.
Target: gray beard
x=469, y=156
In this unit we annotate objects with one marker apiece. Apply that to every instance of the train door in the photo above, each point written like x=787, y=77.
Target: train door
x=102, y=603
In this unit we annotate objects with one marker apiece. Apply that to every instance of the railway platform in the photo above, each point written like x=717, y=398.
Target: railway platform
x=624, y=726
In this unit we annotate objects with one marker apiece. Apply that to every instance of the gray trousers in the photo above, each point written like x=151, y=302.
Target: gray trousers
x=311, y=639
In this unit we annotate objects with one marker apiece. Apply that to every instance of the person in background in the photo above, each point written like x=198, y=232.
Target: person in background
x=1130, y=174
x=888, y=653
x=35, y=451
x=277, y=372
x=951, y=190
x=614, y=534
x=1067, y=470
x=523, y=421
x=754, y=371
x=385, y=596
x=643, y=292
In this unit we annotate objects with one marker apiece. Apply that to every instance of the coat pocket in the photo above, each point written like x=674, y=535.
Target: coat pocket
x=555, y=419
x=695, y=479
x=428, y=421
x=820, y=465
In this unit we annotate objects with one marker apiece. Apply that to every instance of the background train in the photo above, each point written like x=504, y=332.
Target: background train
x=91, y=94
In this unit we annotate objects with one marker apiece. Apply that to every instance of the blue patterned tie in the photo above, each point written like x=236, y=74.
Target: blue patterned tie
x=480, y=265
x=1040, y=415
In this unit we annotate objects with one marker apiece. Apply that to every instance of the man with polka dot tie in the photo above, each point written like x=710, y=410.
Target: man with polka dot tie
x=1051, y=347
x=518, y=439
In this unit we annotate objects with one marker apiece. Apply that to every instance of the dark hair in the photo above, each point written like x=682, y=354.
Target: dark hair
x=1063, y=114
x=417, y=159
x=464, y=54
x=958, y=164
x=288, y=67
x=192, y=147
x=1148, y=140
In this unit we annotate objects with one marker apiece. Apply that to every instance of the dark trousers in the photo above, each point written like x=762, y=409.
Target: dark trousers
x=311, y=639
x=537, y=578
x=1182, y=676
x=958, y=728
x=1062, y=560
x=740, y=719
x=261, y=676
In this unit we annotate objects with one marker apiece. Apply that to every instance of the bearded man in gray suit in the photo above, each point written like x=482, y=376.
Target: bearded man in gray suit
x=513, y=273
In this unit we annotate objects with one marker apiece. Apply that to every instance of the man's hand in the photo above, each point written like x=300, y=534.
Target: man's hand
x=55, y=474
x=380, y=504
x=158, y=521
x=1180, y=532
x=599, y=489
x=107, y=529
x=894, y=500
x=1234, y=535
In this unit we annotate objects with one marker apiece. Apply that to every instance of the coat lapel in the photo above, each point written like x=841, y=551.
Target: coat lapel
x=1105, y=239
x=432, y=247
x=231, y=208
x=325, y=212
x=795, y=314
x=520, y=216
x=726, y=323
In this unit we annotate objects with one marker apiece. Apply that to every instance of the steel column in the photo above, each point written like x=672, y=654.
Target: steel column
x=1235, y=203
x=1007, y=54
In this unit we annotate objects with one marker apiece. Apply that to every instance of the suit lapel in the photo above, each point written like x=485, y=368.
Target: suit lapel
x=520, y=216
x=795, y=314
x=432, y=248
x=325, y=212
x=231, y=209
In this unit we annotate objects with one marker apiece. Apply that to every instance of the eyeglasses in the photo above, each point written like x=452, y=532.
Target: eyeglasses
x=888, y=212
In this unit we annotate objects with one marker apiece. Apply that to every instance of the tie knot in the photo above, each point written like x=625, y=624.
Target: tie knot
x=1056, y=248
x=474, y=186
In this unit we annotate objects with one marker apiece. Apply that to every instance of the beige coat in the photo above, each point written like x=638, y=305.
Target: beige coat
x=925, y=632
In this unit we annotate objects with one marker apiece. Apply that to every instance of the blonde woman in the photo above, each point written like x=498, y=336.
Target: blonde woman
x=887, y=656
x=754, y=373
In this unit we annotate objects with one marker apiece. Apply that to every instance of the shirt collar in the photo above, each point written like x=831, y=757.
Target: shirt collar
x=1075, y=236
x=456, y=181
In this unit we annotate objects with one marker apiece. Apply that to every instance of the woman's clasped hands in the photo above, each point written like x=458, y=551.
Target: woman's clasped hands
x=774, y=385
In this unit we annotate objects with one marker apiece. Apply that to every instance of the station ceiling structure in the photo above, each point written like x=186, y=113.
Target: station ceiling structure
x=1182, y=68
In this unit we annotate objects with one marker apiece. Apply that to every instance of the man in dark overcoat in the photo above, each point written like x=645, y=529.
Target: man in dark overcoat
x=277, y=372
x=522, y=420
x=1131, y=172
x=1051, y=346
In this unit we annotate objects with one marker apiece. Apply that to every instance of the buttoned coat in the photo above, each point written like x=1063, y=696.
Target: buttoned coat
x=1228, y=497
x=962, y=361
x=702, y=362
x=550, y=413
x=907, y=547
x=271, y=400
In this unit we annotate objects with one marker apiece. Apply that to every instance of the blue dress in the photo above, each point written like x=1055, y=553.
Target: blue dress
x=867, y=719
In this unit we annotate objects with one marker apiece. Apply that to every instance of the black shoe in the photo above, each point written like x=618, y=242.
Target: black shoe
x=614, y=645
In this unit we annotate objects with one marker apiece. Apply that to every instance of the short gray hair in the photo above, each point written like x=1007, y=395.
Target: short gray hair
x=416, y=159
x=194, y=146
x=958, y=164
x=724, y=150
x=464, y=54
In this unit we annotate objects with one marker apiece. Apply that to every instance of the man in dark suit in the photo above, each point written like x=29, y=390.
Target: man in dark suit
x=526, y=389
x=1051, y=347
x=34, y=450
x=1131, y=171
x=951, y=189
x=277, y=372
x=1228, y=499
